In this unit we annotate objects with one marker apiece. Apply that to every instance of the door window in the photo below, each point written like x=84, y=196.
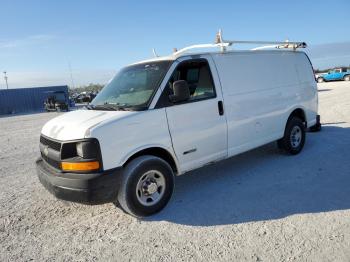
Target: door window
x=198, y=77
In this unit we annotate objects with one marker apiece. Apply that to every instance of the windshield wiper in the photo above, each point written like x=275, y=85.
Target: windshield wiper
x=115, y=107
x=109, y=107
x=89, y=107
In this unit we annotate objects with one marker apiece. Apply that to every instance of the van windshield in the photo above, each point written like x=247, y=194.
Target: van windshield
x=132, y=88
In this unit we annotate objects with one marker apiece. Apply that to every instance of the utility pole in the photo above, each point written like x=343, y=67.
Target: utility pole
x=71, y=74
x=5, y=76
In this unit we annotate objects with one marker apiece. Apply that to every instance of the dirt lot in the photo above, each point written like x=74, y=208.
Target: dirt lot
x=259, y=206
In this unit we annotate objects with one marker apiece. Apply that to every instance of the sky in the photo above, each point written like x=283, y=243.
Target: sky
x=47, y=42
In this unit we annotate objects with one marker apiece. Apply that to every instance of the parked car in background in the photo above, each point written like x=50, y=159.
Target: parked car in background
x=84, y=97
x=334, y=75
x=56, y=101
x=92, y=95
x=71, y=102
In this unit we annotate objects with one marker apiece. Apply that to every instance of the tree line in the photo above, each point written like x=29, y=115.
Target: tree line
x=327, y=69
x=86, y=88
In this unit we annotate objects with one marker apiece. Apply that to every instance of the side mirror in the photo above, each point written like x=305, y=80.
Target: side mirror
x=181, y=91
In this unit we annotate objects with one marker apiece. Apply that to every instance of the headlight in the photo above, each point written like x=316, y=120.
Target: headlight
x=79, y=147
x=88, y=149
x=82, y=156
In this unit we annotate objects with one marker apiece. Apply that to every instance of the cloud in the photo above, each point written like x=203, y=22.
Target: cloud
x=330, y=55
x=21, y=79
x=322, y=56
x=26, y=41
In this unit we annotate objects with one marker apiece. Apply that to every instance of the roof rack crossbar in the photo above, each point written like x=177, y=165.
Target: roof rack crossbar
x=183, y=50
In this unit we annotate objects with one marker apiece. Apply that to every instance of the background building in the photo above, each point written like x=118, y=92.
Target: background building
x=22, y=100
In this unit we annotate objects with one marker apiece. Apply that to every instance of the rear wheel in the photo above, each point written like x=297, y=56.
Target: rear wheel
x=294, y=136
x=147, y=186
x=347, y=78
x=320, y=80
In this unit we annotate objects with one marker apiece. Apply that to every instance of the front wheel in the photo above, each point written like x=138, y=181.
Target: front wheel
x=146, y=187
x=320, y=80
x=294, y=136
x=347, y=78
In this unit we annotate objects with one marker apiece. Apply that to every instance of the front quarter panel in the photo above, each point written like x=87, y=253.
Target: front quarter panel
x=121, y=138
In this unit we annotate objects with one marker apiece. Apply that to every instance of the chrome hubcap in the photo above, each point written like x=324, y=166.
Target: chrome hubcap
x=150, y=188
x=295, y=136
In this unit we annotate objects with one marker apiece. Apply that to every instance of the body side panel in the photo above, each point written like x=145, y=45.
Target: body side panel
x=260, y=91
x=120, y=139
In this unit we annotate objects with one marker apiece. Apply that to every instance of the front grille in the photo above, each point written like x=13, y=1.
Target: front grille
x=51, y=162
x=50, y=143
x=53, y=145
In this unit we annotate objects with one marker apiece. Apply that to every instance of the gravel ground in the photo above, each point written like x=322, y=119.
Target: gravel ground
x=258, y=206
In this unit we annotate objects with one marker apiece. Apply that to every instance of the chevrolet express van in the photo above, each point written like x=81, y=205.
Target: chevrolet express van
x=161, y=118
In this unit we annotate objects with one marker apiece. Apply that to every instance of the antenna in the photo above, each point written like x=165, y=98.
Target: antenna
x=154, y=52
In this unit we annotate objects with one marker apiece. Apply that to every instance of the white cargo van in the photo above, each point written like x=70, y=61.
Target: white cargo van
x=163, y=117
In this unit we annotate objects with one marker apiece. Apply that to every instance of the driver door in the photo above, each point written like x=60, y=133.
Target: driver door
x=198, y=126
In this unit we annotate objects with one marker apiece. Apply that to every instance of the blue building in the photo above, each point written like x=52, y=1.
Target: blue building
x=22, y=100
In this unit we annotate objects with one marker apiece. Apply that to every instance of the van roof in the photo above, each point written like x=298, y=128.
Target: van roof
x=175, y=57
x=222, y=45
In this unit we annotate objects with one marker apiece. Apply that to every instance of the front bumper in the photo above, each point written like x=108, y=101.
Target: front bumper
x=92, y=188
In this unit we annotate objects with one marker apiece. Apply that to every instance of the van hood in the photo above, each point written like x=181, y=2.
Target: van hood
x=77, y=124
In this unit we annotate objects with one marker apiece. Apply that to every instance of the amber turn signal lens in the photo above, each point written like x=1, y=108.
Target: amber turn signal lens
x=80, y=166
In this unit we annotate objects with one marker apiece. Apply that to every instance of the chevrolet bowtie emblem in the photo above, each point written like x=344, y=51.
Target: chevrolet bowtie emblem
x=46, y=151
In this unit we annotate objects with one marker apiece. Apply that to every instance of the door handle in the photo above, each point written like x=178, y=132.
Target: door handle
x=221, y=108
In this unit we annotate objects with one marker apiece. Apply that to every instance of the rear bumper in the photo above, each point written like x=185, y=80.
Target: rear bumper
x=95, y=188
x=317, y=126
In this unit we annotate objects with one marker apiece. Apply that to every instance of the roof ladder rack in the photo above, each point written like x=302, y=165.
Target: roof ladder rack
x=276, y=44
x=223, y=44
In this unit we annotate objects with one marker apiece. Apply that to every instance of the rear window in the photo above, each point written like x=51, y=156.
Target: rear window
x=304, y=69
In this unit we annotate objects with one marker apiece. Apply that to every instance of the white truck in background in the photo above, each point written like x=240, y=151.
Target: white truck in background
x=161, y=118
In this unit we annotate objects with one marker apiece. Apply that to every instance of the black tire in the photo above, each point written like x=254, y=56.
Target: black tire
x=133, y=174
x=287, y=143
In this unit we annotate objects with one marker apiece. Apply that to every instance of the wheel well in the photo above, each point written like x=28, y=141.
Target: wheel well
x=158, y=152
x=346, y=75
x=298, y=113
